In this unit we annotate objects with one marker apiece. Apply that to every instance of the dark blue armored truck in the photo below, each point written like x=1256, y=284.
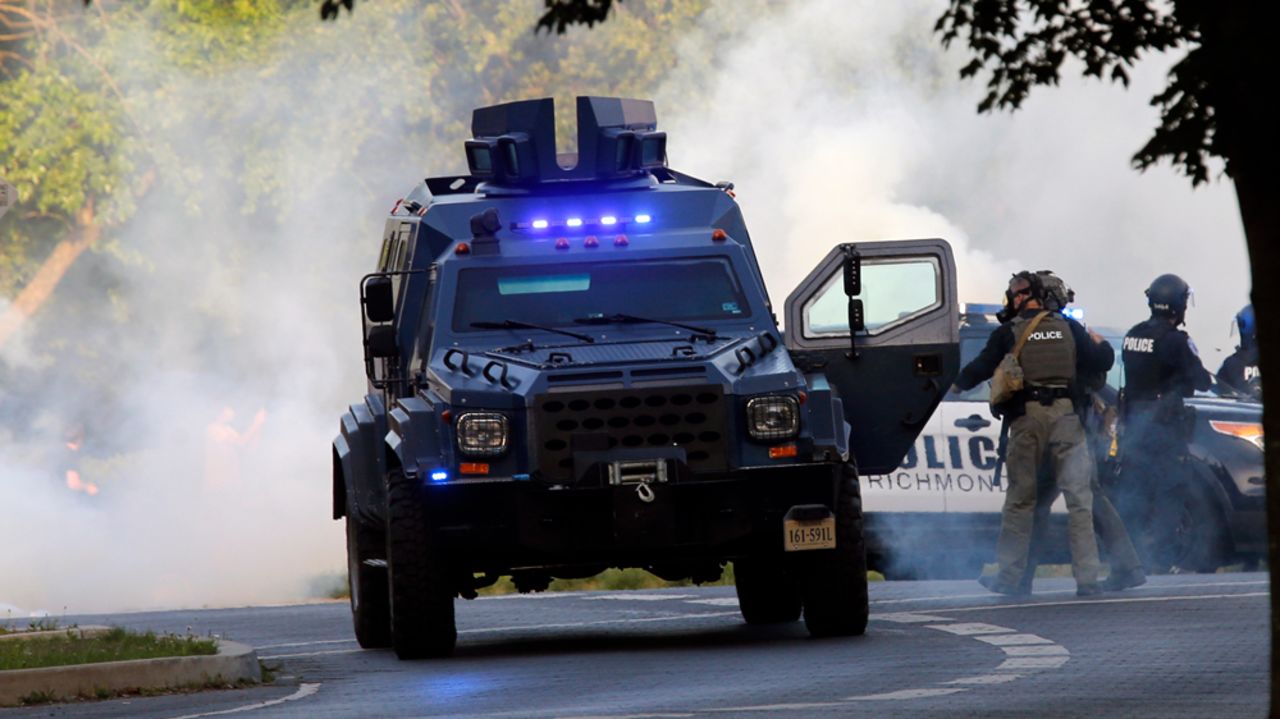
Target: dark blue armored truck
x=573, y=364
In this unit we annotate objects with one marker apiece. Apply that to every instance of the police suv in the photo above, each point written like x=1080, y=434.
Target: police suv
x=573, y=364
x=938, y=513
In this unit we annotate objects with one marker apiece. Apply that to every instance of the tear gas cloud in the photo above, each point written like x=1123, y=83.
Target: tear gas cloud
x=839, y=121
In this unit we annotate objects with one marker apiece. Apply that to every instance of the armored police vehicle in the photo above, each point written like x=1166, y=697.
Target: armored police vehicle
x=573, y=364
x=938, y=513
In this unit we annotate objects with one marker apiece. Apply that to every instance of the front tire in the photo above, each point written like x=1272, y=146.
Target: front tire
x=834, y=581
x=422, y=621
x=1186, y=533
x=766, y=594
x=370, y=603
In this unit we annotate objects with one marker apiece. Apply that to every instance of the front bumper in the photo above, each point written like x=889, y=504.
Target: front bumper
x=505, y=525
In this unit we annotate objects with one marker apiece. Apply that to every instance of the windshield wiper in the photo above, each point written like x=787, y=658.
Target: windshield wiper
x=518, y=325
x=620, y=318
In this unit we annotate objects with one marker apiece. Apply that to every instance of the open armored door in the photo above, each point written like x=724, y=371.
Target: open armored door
x=892, y=371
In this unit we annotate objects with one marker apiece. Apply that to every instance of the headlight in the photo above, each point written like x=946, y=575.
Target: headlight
x=1248, y=431
x=482, y=434
x=774, y=417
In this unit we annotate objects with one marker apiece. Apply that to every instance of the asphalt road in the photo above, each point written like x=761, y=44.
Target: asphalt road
x=1191, y=645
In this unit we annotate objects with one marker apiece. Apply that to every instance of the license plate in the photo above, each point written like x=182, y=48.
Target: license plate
x=801, y=534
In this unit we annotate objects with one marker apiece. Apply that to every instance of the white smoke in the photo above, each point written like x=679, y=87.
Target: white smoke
x=845, y=120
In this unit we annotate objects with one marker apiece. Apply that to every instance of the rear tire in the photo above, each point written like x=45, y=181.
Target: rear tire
x=370, y=602
x=834, y=581
x=766, y=594
x=422, y=621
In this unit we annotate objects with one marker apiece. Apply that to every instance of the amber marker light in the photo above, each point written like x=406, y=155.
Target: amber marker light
x=473, y=468
x=719, y=235
x=1248, y=431
x=562, y=244
x=782, y=452
x=462, y=249
x=591, y=241
x=621, y=241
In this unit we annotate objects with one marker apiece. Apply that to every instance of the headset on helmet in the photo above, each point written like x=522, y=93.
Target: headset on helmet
x=1043, y=286
x=1168, y=295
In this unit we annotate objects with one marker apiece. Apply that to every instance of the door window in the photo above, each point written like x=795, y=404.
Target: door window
x=894, y=290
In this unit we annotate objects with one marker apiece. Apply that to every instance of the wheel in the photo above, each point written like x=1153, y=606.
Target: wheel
x=1185, y=532
x=834, y=581
x=422, y=622
x=766, y=594
x=370, y=603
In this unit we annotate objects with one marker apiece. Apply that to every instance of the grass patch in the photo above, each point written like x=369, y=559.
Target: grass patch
x=113, y=646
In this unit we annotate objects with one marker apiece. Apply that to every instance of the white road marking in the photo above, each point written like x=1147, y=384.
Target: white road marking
x=304, y=691
x=908, y=618
x=659, y=715
x=1032, y=663
x=1089, y=601
x=775, y=707
x=304, y=644
x=908, y=694
x=638, y=597
x=967, y=629
x=1004, y=640
x=716, y=601
x=986, y=679
x=357, y=650
x=1144, y=588
x=1035, y=650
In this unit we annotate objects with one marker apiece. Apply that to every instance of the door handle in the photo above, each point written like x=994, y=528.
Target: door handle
x=973, y=423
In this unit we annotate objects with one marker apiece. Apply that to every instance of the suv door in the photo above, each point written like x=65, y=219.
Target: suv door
x=906, y=356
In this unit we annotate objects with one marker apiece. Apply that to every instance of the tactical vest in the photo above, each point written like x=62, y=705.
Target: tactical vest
x=1049, y=357
x=1145, y=376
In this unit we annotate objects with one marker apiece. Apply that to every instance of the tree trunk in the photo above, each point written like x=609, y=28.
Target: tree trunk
x=1236, y=39
x=41, y=287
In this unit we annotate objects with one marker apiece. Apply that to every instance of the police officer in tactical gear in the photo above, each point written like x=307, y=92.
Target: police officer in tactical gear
x=1239, y=372
x=1043, y=425
x=1161, y=366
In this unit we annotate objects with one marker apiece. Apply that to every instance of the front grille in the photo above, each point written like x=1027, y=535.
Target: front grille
x=689, y=417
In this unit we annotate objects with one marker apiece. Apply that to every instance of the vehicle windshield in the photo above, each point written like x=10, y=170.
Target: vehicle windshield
x=698, y=289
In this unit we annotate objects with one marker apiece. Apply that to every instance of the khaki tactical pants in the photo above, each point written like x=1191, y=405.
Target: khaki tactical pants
x=1050, y=434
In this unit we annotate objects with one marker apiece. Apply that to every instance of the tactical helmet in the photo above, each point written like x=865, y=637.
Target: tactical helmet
x=1168, y=295
x=1248, y=329
x=1054, y=293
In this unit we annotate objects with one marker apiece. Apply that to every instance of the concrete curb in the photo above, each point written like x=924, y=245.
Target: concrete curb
x=233, y=662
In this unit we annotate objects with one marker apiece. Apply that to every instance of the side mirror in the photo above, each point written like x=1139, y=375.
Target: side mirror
x=381, y=342
x=379, y=303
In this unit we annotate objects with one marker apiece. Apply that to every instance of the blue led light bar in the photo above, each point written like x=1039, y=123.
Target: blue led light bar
x=439, y=475
x=577, y=223
x=1075, y=313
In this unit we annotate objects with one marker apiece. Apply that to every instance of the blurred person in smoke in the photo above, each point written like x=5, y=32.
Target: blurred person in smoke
x=1055, y=353
x=1161, y=366
x=1239, y=372
x=223, y=444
